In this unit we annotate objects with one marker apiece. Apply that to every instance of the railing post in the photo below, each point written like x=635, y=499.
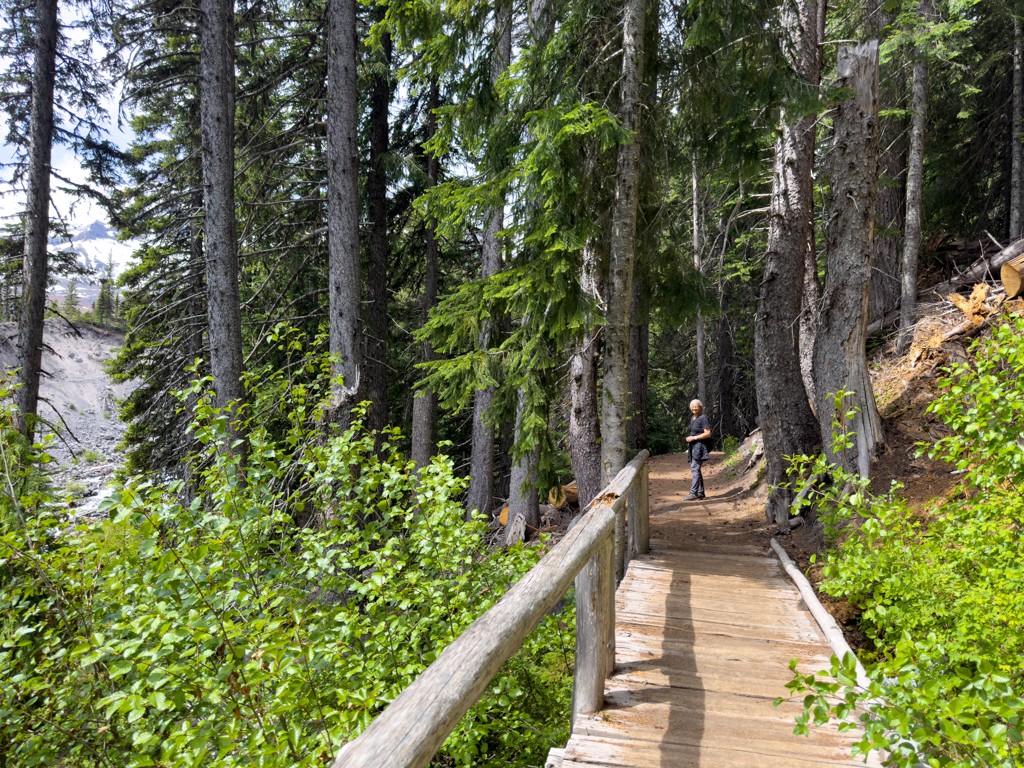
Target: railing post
x=595, y=606
x=607, y=587
x=642, y=517
x=620, y=541
x=632, y=504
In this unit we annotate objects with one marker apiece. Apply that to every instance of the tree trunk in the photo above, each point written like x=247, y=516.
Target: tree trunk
x=811, y=300
x=915, y=182
x=37, y=218
x=343, y=210
x=697, y=246
x=787, y=422
x=584, y=437
x=615, y=405
x=424, y=405
x=376, y=370
x=523, y=499
x=639, y=351
x=481, y=469
x=1016, y=139
x=726, y=374
x=840, y=360
x=217, y=119
x=892, y=196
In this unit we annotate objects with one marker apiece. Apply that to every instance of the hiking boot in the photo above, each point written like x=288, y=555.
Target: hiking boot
x=692, y=497
x=701, y=496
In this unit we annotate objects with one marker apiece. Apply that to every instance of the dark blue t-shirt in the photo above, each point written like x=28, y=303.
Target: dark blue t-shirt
x=699, y=448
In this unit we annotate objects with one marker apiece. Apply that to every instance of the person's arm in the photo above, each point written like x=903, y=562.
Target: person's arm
x=702, y=436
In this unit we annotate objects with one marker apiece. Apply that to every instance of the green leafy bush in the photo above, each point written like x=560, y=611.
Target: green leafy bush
x=209, y=629
x=942, y=592
x=24, y=488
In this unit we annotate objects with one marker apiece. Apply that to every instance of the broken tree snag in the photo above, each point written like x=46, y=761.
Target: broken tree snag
x=1010, y=276
x=840, y=348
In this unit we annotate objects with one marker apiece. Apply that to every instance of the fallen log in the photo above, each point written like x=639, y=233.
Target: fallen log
x=981, y=268
x=1010, y=274
x=890, y=319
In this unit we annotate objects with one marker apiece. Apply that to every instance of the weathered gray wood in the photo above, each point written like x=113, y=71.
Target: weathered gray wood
x=828, y=625
x=632, y=504
x=643, y=512
x=617, y=488
x=621, y=545
x=606, y=591
x=411, y=730
x=594, y=626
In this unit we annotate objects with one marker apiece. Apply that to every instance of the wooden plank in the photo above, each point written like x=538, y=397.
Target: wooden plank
x=713, y=599
x=624, y=697
x=747, y=571
x=729, y=647
x=672, y=608
x=589, y=751
x=726, y=681
x=774, y=673
x=727, y=733
x=662, y=548
x=627, y=694
x=672, y=655
x=701, y=626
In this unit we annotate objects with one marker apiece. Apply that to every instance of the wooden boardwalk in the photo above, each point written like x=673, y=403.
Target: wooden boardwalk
x=703, y=644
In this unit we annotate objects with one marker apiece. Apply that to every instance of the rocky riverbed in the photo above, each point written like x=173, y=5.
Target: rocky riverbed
x=81, y=403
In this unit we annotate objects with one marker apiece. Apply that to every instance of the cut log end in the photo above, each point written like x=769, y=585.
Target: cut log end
x=1010, y=274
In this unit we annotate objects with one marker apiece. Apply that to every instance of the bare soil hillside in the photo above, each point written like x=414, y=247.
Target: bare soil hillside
x=81, y=403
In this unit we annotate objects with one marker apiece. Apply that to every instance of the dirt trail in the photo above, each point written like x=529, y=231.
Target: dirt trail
x=730, y=519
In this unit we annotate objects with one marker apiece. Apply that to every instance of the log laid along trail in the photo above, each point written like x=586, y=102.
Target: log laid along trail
x=705, y=627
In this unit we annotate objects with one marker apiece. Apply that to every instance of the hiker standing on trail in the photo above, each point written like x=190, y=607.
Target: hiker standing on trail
x=700, y=431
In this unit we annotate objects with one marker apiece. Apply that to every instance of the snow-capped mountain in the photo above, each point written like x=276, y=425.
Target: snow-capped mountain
x=94, y=246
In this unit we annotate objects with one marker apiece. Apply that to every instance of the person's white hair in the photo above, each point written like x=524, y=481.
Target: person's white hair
x=697, y=402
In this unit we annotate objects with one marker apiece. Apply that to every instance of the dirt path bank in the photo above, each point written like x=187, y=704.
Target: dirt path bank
x=731, y=518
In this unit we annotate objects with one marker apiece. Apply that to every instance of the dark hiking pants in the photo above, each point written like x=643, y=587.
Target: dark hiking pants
x=697, y=488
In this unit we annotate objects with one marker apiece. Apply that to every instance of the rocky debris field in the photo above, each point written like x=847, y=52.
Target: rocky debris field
x=81, y=403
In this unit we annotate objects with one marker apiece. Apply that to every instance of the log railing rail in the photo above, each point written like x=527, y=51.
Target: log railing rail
x=595, y=553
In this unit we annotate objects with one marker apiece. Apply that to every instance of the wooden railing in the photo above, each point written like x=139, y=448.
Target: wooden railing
x=595, y=553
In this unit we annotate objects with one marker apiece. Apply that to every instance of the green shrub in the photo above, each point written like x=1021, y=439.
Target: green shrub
x=24, y=487
x=730, y=444
x=217, y=632
x=943, y=593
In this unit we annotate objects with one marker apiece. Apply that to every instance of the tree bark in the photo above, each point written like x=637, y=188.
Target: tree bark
x=424, y=405
x=639, y=351
x=726, y=374
x=345, y=281
x=915, y=183
x=1016, y=139
x=811, y=301
x=375, y=369
x=217, y=120
x=786, y=419
x=697, y=246
x=892, y=195
x=481, y=471
x=615, y=405
x=37, y=218
x=523, y=499
x=584, y=437
x=840, y=360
